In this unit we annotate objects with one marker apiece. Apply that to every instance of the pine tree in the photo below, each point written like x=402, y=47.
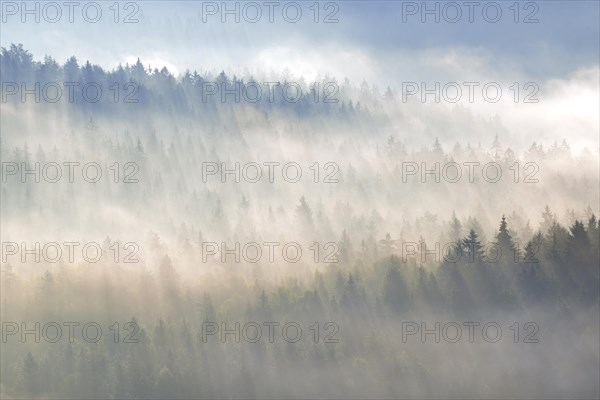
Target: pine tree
x=437, y=148
x=531, y=253
x=345, y=249
x=395, y=291
x=350, y=295
x=579, y=242
x=496, y=147
x=472, y=247
x=304, y=213
x=30, y=376
x=455, y=228
x=548, y=218
x=139, y=147
x=593, y=230
x=387, y=245
x=506, y=243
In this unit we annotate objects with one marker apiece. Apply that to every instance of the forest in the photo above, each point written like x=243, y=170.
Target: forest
x=405, y=253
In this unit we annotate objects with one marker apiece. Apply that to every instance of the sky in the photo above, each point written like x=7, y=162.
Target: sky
x=379, y=35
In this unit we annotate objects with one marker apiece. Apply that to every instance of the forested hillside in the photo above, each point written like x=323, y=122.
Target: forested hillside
x=329, y=240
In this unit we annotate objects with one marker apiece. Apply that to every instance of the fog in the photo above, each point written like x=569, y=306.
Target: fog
x=182, y=236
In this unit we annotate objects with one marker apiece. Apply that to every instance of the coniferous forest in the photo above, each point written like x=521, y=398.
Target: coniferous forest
x=165, y=237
